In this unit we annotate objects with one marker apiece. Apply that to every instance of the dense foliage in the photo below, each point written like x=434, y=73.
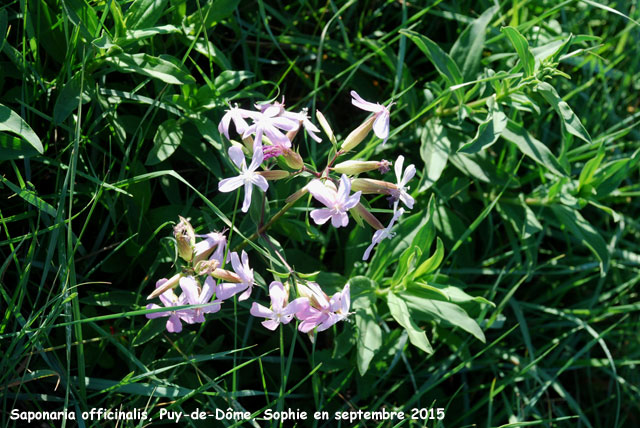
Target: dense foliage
x=507, y=294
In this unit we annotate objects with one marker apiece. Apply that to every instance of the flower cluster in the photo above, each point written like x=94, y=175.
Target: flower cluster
x=271, y=135
x=201, y=279
x=206, y=284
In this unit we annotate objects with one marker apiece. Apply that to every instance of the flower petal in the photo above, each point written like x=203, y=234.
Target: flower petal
x=398, y=168
x=322, y=193
x=237, y=156
x=173, y=324
x=260, y=181
x=359, y=102
x=381, y=125
x=228, y=289
x=156, y=314
x=190, y=289
x=246, y=203
x=230, y=184
x=321, y=216
x=278, y=295
x=257, y=310
x=271, y=324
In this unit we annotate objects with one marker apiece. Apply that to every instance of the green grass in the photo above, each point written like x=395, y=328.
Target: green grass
x=537, y=214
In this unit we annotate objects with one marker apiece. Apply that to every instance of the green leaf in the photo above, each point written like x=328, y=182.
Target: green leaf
x=569, y=119
x=155, y=67
x=31, y=197
x=585, y=233
x=424, y=308
x=369, y=339
x=400, y=313
x=144, y=13
x=521, y=217
x=467, y=50
x=167, y=139
x=432, y=263
x=230, y=79
x=590, y=168
x=522, y=48
x=69, y=98
x=488, y=132
x=532, y=148
x=212, y=13
x=12, y=122
x=15, y=148
x=439, y=58
x=434, y=149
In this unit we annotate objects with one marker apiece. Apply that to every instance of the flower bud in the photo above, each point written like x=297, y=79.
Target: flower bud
x=352, y=167
x=368, y=216
x=207, y=267
x=325, y=126
x=293, y=159
x=357, y=135
x=165, y=284
x=371, y=186
x=226, y=275
x=276, y=174
x=185, y=238
x=297, y=195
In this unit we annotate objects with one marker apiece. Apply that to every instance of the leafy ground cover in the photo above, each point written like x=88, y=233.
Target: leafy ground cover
x=505, y=294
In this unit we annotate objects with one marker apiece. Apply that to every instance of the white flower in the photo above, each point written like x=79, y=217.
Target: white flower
x=280, y=312
x=228, y=289
x=271, y=122
x=248, y=176
x=237, y=115
x=337, y=203
x=381, y=114
x=382, y=234
x=403, y=178
x=199, y=296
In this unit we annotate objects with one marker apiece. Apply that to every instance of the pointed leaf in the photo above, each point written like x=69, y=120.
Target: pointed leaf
x=532, y=148
x=400, y=313
x=569, y=119
x=12, y=122
x=467, y=50
x=522, y=48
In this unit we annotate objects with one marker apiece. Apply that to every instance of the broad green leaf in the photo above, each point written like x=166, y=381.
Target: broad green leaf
x=441, y=61
x=522, y=48
x=488, y=132
x=15, y=148
x=424, y=308
x=70, y=96
x=432, y=263
x=144, y=13
x=230, y=79
x=532, y=148
x=213, y=12
x=569, y=119
x=467, y=50
x=434, y=149
x=400, y=313
x=12, y=122
x=82, y=16
x=152, y=66
x=610, y=175
x=145, y=33
x=369, y=339
x=439, y=288
x=167, y=139
x=405, y=263
x=585, y=233
x=590, y=168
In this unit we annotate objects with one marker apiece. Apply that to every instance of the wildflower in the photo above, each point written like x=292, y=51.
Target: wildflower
x=237, y=115
x=199, y=296
x=382, y=234
x=248, y=176
x=357, y=167
x=337, y=203
x=271, y=123
x=403, y=178
x=280, y=312
x=170, y=299
x=244, y=272
x=380, y=113
x=303, y=119
x=185, y=238
x=211, y=241
x=319, y=311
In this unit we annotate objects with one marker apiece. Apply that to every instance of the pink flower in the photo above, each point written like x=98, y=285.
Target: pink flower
x=237, y=115
x=381, y=113
x=280, y=312
x=248, y=176
x=271, y=123
x=212, y=241
x=228, y=289
x=170, y=299
x=403, y=178
x=303, y=118
x=337, y=203
x=199, y=296
x=382, y=234
x=319, y=311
